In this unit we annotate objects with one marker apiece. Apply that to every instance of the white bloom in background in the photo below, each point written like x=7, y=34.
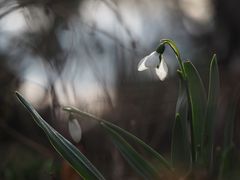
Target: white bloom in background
x=152, y=61
x=75, y=130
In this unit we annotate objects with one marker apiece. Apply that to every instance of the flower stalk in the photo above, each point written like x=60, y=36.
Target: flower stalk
x=162, y=70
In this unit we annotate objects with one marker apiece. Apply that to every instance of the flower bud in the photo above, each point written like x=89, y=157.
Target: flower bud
x=75, y=130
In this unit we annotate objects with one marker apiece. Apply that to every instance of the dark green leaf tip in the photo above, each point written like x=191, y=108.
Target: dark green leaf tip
x=67, y=108
x=19, y=96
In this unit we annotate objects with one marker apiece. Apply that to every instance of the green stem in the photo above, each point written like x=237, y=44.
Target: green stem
x=173, y=46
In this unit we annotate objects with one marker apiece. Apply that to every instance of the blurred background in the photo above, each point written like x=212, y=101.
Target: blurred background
x=85, y=54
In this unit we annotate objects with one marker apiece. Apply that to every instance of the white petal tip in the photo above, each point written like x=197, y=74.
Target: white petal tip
x=162, y=71
x=142, y=68
x=162, y=78
x=141, y=65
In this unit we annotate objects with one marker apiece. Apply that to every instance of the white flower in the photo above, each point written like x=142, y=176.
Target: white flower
x=152, y=61
x=75, y=130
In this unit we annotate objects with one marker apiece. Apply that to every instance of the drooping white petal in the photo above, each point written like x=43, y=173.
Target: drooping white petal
x=162, y=70
x=141, y=64
x=75, y=130
x=150, y=61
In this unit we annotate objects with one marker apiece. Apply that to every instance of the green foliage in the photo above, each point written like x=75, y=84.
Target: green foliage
x=197, y=102
x=180, y=149
x=230, y=160
x=22, y=163
x=192, y=136
x=143, y=167
x=213, y=92
x=66, y=149
x=181, y=156
x=120, y=135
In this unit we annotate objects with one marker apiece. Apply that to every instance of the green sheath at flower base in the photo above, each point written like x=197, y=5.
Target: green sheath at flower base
x=160, y=48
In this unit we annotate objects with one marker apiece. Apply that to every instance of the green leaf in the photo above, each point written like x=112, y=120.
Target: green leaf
x=181, y=106
x=213, y=92
x=180, y=150
x=230, y=166
x=230, y=120
x=67, y=150
x=150, y=151
x=197, y=100
x=143, y=167
x=181, y=154
x=229, y=162
x=226, y=164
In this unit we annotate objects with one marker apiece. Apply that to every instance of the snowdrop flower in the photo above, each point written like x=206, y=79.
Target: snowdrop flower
x=75, y=130
x=155, y=61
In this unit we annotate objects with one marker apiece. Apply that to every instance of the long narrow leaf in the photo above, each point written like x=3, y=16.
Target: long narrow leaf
x=143, y=167
x=229, y=160
x=124, y=133
x=230, y=120
x=197, y=98
x=180, y=150
x=213, y=92
x=230, y=166
x=67, y=150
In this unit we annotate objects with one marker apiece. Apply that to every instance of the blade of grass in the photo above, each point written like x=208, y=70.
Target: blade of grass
x=197, y=100
x=213, y=92
x=229, y=160
x=124, y=133
x=181, y=155
x=180, y=148
x=229, y=168
x=67, y=150
x=143, y=167
x=230, y=120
